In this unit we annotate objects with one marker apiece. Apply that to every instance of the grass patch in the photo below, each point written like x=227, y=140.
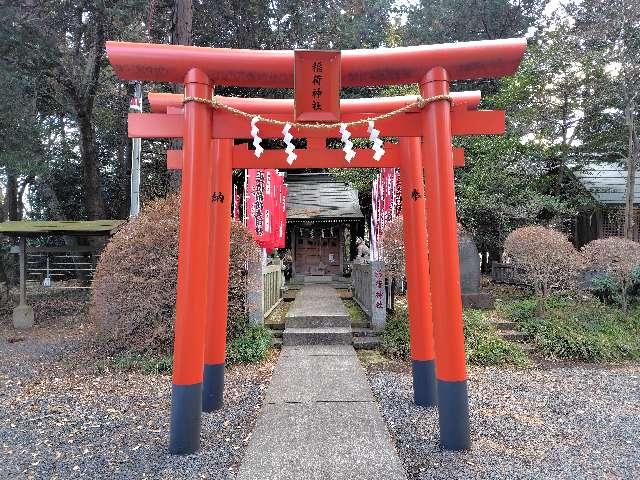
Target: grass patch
x=394, y=339
x=579, y=330
x=355, y=312
x=483, y=344
x=250, y=347
x=371, y=357
x=277, y=316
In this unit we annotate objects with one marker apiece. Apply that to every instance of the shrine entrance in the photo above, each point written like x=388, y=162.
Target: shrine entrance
x=421, y=129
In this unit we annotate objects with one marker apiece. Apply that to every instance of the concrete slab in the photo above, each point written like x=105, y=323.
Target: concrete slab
x=311, y=350
x=320, y=419
x=317, y=336
x=320, y=441
x=318, y=321
x=305, y=379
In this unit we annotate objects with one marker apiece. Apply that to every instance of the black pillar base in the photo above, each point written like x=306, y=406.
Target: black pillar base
x=186, y=410
x=424, y=383
x=453, y=410
x=212, y=387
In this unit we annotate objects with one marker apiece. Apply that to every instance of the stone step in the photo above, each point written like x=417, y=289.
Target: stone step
x=289, y=294
x=317, y=336
x=365, y=343
x=514, y=335
x=504, y=325
x=363, y=332
x=317, y=321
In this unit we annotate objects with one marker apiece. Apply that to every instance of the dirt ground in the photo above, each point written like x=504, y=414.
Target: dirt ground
x=64, y=415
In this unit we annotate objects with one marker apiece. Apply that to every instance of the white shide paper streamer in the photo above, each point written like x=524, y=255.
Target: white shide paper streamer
x=349, y=153
x=290, y=147
x=374, y=136
x=256, y=139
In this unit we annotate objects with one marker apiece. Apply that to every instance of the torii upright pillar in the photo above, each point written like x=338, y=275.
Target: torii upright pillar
x=417, y=269
x=193, y=269
x=437, y=158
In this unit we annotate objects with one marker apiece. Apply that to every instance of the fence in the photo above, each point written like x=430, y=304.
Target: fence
x=272, y=279
x=370, y=291
x=361, y=276
x=46, y=265
x=505, y=273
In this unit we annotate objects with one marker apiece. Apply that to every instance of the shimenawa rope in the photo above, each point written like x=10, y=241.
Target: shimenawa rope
x=419, y=103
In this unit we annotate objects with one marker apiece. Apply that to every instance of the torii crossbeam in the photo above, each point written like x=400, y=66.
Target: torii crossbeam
x=424, y=154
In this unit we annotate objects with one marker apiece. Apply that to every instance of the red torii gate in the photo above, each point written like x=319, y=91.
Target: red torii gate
x=424, y=152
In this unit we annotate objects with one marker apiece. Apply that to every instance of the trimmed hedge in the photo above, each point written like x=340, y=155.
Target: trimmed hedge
x=134, y=288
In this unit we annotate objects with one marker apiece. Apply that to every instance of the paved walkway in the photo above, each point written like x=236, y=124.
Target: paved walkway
x=320, y=420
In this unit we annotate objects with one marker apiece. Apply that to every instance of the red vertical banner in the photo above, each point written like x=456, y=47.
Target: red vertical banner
x=256, y=190
x=397, y=204
x=283, y=215
x=387, y=177
x=374, y=209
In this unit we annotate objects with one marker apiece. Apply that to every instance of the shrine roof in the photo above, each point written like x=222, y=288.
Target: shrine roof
x=318, y=197
x=35, y=228
x=606, y=182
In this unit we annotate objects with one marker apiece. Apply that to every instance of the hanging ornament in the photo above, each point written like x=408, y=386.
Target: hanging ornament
x=374, y=136
x=256, y=139
x=349, y=153
x=291, y=157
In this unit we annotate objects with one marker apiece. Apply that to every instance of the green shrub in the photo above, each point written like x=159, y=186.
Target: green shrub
x=251, y=346
x=394, y=339
x=483, y=344
x=619, y=259
x=586, y=331
x=608, y=291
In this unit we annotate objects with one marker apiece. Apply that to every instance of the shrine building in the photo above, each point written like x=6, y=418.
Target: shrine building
x=323, y=220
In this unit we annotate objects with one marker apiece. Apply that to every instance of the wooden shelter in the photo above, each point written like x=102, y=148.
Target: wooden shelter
x=23, y=313
x=323, y=220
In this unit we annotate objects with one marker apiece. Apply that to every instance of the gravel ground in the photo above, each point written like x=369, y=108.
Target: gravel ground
x=61, y=421
x=568, y=422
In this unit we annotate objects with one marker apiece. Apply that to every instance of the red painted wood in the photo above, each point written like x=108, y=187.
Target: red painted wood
x=317, y=85
x=274, y=68
x=245, y=158
x=229, y=125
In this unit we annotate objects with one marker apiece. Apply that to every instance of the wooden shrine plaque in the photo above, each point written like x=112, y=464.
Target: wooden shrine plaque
x=317, y=85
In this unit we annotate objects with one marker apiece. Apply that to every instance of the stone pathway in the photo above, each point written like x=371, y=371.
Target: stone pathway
x=320, y=419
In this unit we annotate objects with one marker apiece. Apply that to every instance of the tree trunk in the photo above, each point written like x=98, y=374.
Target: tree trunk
x=125, y=177
x=541, y=295
x=180, y=35
x=629, y=218
x=94, y=202
x=11, y=196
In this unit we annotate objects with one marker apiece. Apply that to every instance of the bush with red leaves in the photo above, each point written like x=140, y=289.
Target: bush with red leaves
x=545, y=258
x=393, y=249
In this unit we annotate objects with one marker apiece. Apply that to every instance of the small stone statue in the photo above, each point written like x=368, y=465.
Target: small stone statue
x=362, y=255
